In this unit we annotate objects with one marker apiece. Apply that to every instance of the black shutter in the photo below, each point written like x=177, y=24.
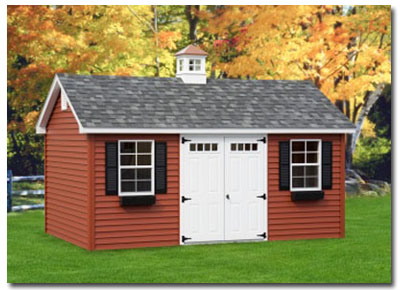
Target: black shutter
x=284, y=165
x=161, y=167
x=111, y=168
x=326, y=165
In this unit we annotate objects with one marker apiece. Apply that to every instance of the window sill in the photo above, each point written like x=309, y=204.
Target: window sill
x=307, y=195
x=137, y=200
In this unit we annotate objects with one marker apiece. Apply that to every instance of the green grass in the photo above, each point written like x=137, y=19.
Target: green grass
x=22, y=200
x=364, y=256
x=25, y=185
x=27, y=199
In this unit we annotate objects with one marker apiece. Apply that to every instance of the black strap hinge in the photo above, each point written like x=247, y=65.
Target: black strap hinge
x=185, y=140
x=264, y=196
x=185, y=239
x=263, y=235
x=264, y=140
x=185, y=199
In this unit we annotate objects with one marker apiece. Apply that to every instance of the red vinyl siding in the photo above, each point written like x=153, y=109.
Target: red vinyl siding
x=79, y=211
x=67, y=179
x=288, y=220
x=117, y=227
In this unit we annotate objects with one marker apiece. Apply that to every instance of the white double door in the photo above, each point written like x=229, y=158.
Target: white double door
x=223, y=188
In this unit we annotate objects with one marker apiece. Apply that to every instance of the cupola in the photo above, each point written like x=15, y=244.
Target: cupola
x=191, y=65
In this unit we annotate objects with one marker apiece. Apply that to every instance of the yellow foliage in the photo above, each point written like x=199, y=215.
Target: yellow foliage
x=31, y=118
x=345, y=55
x=368, y=129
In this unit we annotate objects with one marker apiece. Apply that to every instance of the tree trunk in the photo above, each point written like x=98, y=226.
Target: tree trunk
x=353, y=138
x=157, y=74
x=370, y=101
x=193, y=19
x=349, y=153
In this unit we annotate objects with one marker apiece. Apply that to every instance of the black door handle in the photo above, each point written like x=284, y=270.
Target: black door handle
x=228, y=197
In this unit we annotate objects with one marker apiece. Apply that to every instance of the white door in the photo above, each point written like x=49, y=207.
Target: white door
x=202, y=189
x=223, y=185
x=245, y=188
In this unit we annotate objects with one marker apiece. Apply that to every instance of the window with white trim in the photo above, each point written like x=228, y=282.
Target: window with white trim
x=181, y=65
x=305, y=165
x=194, y=64
x=136, y=167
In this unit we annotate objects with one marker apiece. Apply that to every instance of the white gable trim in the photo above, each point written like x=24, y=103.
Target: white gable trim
x=49, y=104
x=213, y=131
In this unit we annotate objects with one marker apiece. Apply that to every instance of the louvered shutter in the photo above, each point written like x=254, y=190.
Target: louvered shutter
x=326, y=165
x=284, y=165
x=112, y=168
x=161, y=167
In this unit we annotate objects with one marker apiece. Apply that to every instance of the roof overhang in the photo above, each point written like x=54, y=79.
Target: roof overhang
x=44, y=117
x=213, y=131
x=56, y=88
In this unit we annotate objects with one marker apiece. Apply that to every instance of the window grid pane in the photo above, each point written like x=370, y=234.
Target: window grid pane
x=136, y=166
x=201, y=147
x=191, y=64
x=244, y=147
x=305, y=159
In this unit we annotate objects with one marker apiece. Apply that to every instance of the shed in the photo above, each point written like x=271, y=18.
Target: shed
x=148, y=162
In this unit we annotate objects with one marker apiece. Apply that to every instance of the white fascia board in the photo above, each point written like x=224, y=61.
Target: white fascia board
x=40, y=129
x=49, y=106
x=213, y=131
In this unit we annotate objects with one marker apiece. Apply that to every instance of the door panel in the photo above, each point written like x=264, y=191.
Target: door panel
x=244, y=180
x=222, y=177
x=203, y=176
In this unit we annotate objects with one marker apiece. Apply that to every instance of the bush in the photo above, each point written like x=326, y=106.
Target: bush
x=373, y=157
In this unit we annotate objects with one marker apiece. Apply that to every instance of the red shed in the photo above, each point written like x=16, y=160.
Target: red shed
x=147, y=162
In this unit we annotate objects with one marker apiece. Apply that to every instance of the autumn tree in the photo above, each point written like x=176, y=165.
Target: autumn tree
x=345, y=51
x=44, y=40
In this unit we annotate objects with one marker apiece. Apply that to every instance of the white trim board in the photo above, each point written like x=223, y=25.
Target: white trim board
x=212, y=131
x=49, y=104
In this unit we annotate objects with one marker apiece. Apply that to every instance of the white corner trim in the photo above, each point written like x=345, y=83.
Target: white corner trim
x=212, y=131
x=49, y=106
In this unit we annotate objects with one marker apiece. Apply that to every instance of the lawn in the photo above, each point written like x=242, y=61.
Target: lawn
x=364, y=256
x=30, y=199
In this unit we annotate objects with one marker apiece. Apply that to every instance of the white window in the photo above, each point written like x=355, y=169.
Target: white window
x=305, y=165
x=181, y=65
x=136, y=167
x=194, y=64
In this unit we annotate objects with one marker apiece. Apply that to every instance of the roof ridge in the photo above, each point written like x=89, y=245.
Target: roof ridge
x=175, y=78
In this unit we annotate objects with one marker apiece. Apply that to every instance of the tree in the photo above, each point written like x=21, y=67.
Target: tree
x=345, y=52
x=44, y=40
x=191, y=12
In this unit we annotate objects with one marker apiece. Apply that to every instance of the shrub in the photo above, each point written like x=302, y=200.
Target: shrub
x=373, y=157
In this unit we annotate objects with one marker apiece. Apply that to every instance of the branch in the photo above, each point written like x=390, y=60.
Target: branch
x=141, y=20
x=381, y=40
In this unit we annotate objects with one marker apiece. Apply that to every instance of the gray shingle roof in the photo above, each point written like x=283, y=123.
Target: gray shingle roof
x=146, y=102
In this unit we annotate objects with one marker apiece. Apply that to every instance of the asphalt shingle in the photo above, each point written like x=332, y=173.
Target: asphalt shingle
x=146, y=102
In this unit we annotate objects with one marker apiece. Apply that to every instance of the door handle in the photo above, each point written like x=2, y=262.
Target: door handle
x=228, y=197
